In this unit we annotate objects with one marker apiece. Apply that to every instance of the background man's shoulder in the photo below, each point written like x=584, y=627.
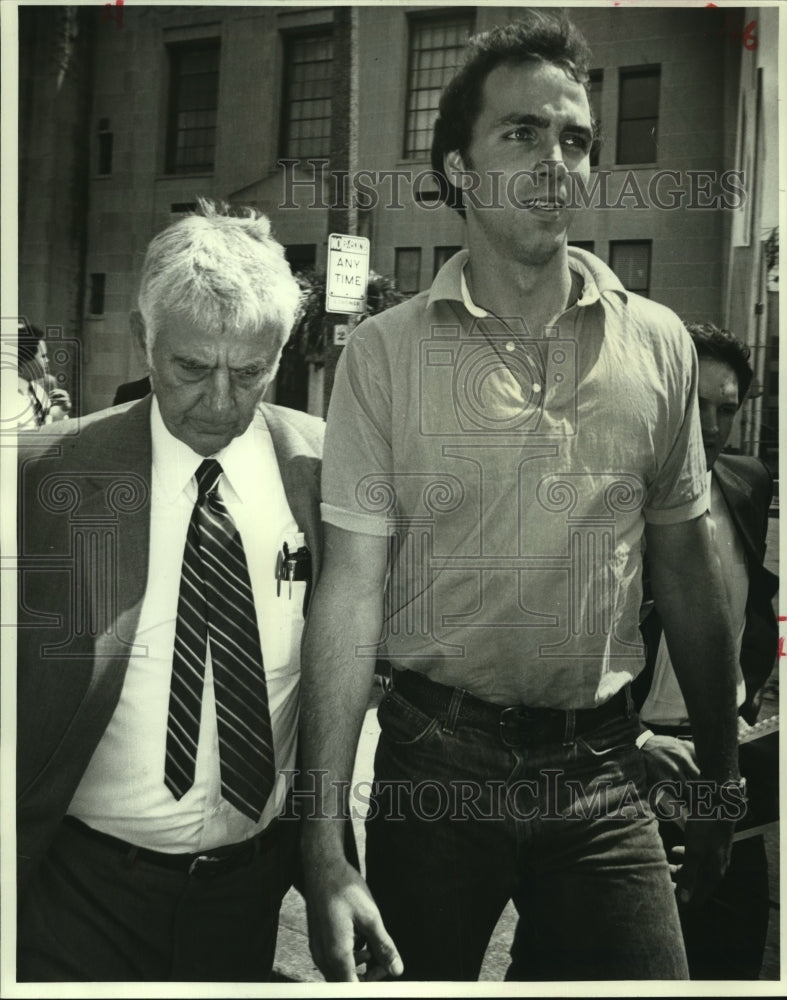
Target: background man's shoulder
x=751, y=470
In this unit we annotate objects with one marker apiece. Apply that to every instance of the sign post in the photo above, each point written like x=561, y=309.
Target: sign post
x=347, y=274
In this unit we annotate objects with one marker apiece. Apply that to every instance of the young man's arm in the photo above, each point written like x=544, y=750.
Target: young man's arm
x=689, y=592
x=343, y=629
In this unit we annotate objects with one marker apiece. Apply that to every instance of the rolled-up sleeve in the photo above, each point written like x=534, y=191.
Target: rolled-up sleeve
x=358, y=457
x=679, y=491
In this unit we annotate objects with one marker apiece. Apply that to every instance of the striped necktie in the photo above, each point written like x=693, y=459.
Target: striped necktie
x=216, y=604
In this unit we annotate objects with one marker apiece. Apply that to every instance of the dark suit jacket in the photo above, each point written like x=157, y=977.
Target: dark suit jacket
x=747, y=487
x=129, y=391
x=84, y=520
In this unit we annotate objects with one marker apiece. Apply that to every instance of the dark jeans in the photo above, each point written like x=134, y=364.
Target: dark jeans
x=90, y=915
x=460, y=823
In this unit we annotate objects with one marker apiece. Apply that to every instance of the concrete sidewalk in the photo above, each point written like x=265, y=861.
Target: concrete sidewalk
x=294, y=963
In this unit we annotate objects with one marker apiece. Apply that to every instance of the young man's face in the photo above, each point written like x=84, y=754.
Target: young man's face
x=718, y=400
x=530, y=114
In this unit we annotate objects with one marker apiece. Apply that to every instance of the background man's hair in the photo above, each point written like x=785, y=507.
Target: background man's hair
x=537, y=37
x=721, y=345
x=222, y=268
x=28, y=339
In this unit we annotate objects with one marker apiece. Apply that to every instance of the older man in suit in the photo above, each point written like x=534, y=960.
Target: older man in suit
x=164, y=550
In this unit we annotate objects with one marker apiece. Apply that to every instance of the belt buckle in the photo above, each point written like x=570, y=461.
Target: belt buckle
x=194, y=867
x=510, y=717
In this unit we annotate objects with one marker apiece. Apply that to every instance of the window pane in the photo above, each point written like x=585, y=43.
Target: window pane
x=631, y=263
x=97, y=285
x=638, y=115
x=639, y=96
x=637, y=141
x=308, y=92
x=193, y=106
x=408, y=269
x=436, y=51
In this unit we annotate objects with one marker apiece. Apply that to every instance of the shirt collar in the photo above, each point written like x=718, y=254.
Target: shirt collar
x=174, y=463
x=598, y=281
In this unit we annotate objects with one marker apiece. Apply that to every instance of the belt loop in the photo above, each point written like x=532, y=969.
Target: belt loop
x=131, y=856
x=453, y=710
x=571, y=725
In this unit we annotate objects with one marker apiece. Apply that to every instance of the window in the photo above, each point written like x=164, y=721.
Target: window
x=193, y=105
x=97, y=285
x=583, y=245
x=441, y=255
x=596, y=83
x=436, y=49
x=631, y=263
x=105, y=142
x=308, y=89
x=407, y=269
x=638, y=116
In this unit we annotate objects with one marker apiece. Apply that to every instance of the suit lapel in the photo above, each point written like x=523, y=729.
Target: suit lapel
x=299, y=468
x=108, y=464
x=117, y=466
x=737, y=494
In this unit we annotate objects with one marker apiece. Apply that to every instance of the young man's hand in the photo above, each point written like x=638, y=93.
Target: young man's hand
x=342, y=913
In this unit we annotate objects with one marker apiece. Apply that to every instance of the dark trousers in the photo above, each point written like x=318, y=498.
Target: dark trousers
x=93, y=913
x=460, y=823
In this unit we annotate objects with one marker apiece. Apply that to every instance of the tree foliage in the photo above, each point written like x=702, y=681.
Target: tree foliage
x=313, y=327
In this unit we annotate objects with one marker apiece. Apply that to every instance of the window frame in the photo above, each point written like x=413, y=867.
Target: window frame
x=416, y=22
x=614, y=244
x=176, y=50
x=402, y=250
x=289, y=40
x=630, y=73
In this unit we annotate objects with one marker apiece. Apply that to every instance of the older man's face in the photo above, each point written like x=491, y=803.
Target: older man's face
x=208, y=384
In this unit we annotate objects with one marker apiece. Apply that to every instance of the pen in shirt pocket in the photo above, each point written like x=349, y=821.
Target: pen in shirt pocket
x=294, y=562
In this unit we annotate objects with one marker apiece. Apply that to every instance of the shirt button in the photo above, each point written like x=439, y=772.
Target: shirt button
x=510, y=346
x=536, y=387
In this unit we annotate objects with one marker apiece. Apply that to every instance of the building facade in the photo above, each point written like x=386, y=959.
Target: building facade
x=321, y=117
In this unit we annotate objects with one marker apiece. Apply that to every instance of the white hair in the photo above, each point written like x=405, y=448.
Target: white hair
x=223, y=271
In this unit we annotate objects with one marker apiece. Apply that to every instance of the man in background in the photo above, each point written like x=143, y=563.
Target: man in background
x=725, y=937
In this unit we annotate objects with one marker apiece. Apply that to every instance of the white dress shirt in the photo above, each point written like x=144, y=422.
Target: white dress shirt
x=122, y=791
x=664, y=704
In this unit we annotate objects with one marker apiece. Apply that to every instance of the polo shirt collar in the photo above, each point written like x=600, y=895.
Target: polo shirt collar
x=598, y=281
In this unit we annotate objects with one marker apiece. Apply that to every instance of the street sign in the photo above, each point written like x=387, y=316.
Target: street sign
x=347, y=274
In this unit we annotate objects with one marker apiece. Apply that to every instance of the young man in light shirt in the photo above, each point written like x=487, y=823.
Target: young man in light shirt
x=496, y=450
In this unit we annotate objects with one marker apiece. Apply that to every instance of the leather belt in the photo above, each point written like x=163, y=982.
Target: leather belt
x=515, y=725
x=210, y=863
